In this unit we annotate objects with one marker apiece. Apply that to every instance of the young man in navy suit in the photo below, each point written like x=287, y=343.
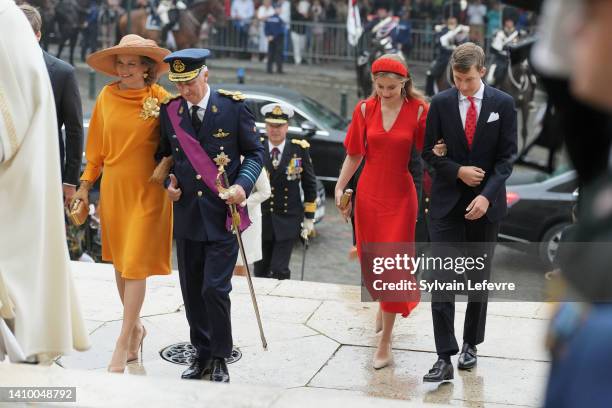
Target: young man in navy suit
x=476, y=125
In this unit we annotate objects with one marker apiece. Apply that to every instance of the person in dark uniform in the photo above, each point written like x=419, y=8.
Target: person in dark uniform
x=274, y=29
x=203, y=130
x=382, y=12
x=289, y=166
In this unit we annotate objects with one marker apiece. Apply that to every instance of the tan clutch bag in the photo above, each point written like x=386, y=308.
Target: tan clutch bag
x=345, y=201
x=78, y=212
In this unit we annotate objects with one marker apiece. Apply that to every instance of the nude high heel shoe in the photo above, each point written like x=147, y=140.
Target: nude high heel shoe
x=133, y=354
x=379, y=363
x=117, y=364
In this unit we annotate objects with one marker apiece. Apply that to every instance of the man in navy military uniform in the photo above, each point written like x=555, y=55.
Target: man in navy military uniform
x=288, y=164
x=202, y=130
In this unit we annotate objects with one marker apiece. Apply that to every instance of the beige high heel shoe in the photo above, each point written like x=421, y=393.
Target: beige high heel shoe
x=133, y=355
x=118, y=368
x=379, y=363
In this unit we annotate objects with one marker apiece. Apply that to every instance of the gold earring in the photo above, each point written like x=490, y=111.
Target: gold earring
x=145, y=75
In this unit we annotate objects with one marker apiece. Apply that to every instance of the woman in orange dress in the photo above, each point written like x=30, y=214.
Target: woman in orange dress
x=135, y=213
x=387, y=130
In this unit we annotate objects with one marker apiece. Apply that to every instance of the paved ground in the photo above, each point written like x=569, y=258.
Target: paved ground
x=321, y=343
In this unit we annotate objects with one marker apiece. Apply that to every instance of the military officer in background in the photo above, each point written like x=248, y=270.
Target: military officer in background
x=201, y=130
x=289, y=166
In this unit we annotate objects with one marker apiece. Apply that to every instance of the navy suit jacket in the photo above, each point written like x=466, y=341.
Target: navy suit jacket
x=199, y=215
x=69, y=114
x=493, y=150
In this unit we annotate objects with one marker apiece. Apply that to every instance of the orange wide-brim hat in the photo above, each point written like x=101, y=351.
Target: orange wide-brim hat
x=131, y=44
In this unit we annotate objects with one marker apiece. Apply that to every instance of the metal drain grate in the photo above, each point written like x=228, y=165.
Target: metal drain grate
x=182, y=353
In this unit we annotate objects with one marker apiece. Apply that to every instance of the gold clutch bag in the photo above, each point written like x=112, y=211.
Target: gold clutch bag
x=345, y=201
x=78, y=212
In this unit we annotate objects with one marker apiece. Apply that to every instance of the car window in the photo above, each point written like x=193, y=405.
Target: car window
x=255, y=106
x=321, y=113
x=297, y=120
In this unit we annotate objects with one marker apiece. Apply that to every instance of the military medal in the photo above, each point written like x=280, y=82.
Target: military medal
x=294, y=168
x=220, y=134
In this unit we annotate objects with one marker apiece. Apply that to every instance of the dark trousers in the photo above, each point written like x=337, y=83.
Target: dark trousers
x=501, y=69
x=205, y=272
x=275, y=259
x=275, y=53
x=454, y=228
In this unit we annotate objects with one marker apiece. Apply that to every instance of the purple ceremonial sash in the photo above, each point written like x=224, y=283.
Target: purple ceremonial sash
x=202, y=163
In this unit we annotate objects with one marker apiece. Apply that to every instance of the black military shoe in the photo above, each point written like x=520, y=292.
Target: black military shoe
x=218, y=371
x=441, y=371
x=197, y=370
x=467, y=358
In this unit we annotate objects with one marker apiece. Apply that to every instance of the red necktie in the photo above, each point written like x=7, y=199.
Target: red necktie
x=274, y=156
x=470, y=122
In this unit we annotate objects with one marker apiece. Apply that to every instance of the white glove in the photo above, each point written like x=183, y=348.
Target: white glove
x=307, y=228
x=228, y=193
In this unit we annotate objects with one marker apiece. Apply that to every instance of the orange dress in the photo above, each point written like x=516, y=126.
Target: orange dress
x=135, y=214
x=386, y=200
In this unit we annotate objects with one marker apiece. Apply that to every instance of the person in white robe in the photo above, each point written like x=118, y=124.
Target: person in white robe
x=251, y=237
x=40, y=318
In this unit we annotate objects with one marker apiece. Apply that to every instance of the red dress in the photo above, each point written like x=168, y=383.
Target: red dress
x=386, y=200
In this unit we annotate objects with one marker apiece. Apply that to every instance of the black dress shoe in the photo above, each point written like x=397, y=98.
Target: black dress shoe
x=467, y=358
x=218, y=371
x=197, y=370
x=441, y=371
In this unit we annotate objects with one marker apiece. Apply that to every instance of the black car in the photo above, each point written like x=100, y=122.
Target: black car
x=324, y=129
x=539, y=209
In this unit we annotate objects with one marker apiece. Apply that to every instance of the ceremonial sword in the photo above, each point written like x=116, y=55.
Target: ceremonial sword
x=222, y=160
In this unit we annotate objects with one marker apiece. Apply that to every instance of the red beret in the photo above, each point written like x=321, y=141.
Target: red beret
x=389, y=65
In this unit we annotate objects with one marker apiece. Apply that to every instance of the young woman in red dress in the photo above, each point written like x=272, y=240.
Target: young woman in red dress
x=387, y=130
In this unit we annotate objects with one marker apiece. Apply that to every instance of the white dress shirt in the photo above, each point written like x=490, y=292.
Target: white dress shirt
x=464, y=103
x=280, y=147
x=242, y=10
x=202, y=104
x=476, y=14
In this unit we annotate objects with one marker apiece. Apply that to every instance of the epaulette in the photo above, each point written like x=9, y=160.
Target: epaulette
x=235, y=95
x=301, y=142
x=168, y=98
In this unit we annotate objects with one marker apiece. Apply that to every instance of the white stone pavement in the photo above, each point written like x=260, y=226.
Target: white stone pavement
x=321, y=341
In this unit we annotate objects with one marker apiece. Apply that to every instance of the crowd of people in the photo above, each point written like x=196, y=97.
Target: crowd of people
x=310, y=31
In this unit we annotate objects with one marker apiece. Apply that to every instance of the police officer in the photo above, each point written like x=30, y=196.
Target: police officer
x=203, y=130
x=289, y=166
x=274, y=29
